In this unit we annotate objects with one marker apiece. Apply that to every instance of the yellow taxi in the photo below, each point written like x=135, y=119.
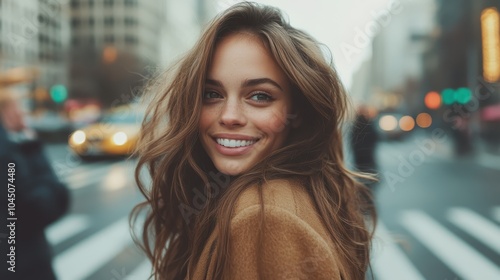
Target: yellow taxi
x=115, y=133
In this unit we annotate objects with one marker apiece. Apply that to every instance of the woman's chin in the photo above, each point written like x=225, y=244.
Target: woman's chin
x=231, y=169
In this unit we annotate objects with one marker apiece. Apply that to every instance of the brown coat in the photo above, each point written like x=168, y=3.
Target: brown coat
x=296, y=245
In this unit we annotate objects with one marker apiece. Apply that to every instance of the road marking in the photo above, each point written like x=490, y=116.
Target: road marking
x=477, y=226
x=84, y=258
x=496, y=213
x=65, y=172
x=459, y=256
x=82, y=183
x=143, y=271
x=389, y=261
x=66, y=228
x=81, y=180
x=84, y=179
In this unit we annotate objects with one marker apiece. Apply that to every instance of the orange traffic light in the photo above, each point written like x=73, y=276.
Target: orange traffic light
x=432, y=100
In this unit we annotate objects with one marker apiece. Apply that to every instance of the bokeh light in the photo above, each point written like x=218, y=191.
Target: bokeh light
x=424, y=120
x=406, y=123
x=432, y=100
x=388, y=123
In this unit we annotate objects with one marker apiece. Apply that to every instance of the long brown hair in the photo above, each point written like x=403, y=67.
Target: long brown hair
x=177, y=226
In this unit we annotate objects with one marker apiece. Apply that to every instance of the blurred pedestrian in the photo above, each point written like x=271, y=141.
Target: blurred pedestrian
x=364, y=140
x=248, y=179
x=35, y=197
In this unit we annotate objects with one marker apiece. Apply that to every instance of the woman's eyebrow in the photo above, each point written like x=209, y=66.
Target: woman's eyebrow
x=246, y=83
x=214, y=83
x=254, y=82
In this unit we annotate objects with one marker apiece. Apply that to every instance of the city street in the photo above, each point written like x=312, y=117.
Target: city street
x=439, y=217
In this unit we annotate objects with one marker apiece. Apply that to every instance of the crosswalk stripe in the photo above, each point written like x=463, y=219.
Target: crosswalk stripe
x=84, y=182
x=66, y=228
x=389, y=261
x=459, y=256
x=81, y=180
x=65, y=171
x=143, y=271
x=84, y=258
x=477, y=226
x=496, y=213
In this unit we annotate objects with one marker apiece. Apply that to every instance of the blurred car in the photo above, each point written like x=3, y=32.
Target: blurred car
x=393, y=125
x=115, y=133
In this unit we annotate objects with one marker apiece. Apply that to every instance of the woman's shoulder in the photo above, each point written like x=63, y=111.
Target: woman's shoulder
x=282, y=199
x=281, y=193
x=289, y=238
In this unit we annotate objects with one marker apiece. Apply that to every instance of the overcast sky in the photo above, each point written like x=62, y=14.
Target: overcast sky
x=334, y=23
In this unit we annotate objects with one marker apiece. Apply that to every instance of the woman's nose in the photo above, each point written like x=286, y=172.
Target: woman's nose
x=232, y=114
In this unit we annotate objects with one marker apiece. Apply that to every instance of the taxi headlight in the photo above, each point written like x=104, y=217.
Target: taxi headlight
x=78, y=137
x=119, y=138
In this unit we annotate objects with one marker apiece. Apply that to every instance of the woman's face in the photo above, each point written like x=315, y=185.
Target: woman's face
x=246, y=103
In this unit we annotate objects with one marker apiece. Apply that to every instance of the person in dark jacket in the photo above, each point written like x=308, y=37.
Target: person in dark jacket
x=364, y=139
x=34, y=199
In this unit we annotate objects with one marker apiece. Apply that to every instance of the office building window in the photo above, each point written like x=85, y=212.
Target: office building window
x=130, y=21
x=75, y=22
x=75, y=3
x=109, y=21
x=130, y=40
x=109, y=39
x=131, y=3
x=41, y=19
x=108, y=3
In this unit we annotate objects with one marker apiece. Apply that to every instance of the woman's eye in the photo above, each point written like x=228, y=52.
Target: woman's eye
x=261, y=97
x=211, y=95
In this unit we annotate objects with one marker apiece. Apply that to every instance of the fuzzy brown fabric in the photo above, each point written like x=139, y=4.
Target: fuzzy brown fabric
x=295, y=242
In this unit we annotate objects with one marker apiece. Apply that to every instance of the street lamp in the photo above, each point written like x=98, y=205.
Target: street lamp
x=490, y=30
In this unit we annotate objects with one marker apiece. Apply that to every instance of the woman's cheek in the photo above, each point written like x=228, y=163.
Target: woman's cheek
x=206, y=118
x=277, y=122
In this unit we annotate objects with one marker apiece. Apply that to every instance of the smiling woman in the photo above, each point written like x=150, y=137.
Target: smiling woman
x=248, y=176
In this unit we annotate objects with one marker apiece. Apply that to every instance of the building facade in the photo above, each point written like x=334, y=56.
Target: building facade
x=35, y=34
x=118, y=44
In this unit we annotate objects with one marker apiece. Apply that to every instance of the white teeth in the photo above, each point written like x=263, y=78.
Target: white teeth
x=231, y=143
